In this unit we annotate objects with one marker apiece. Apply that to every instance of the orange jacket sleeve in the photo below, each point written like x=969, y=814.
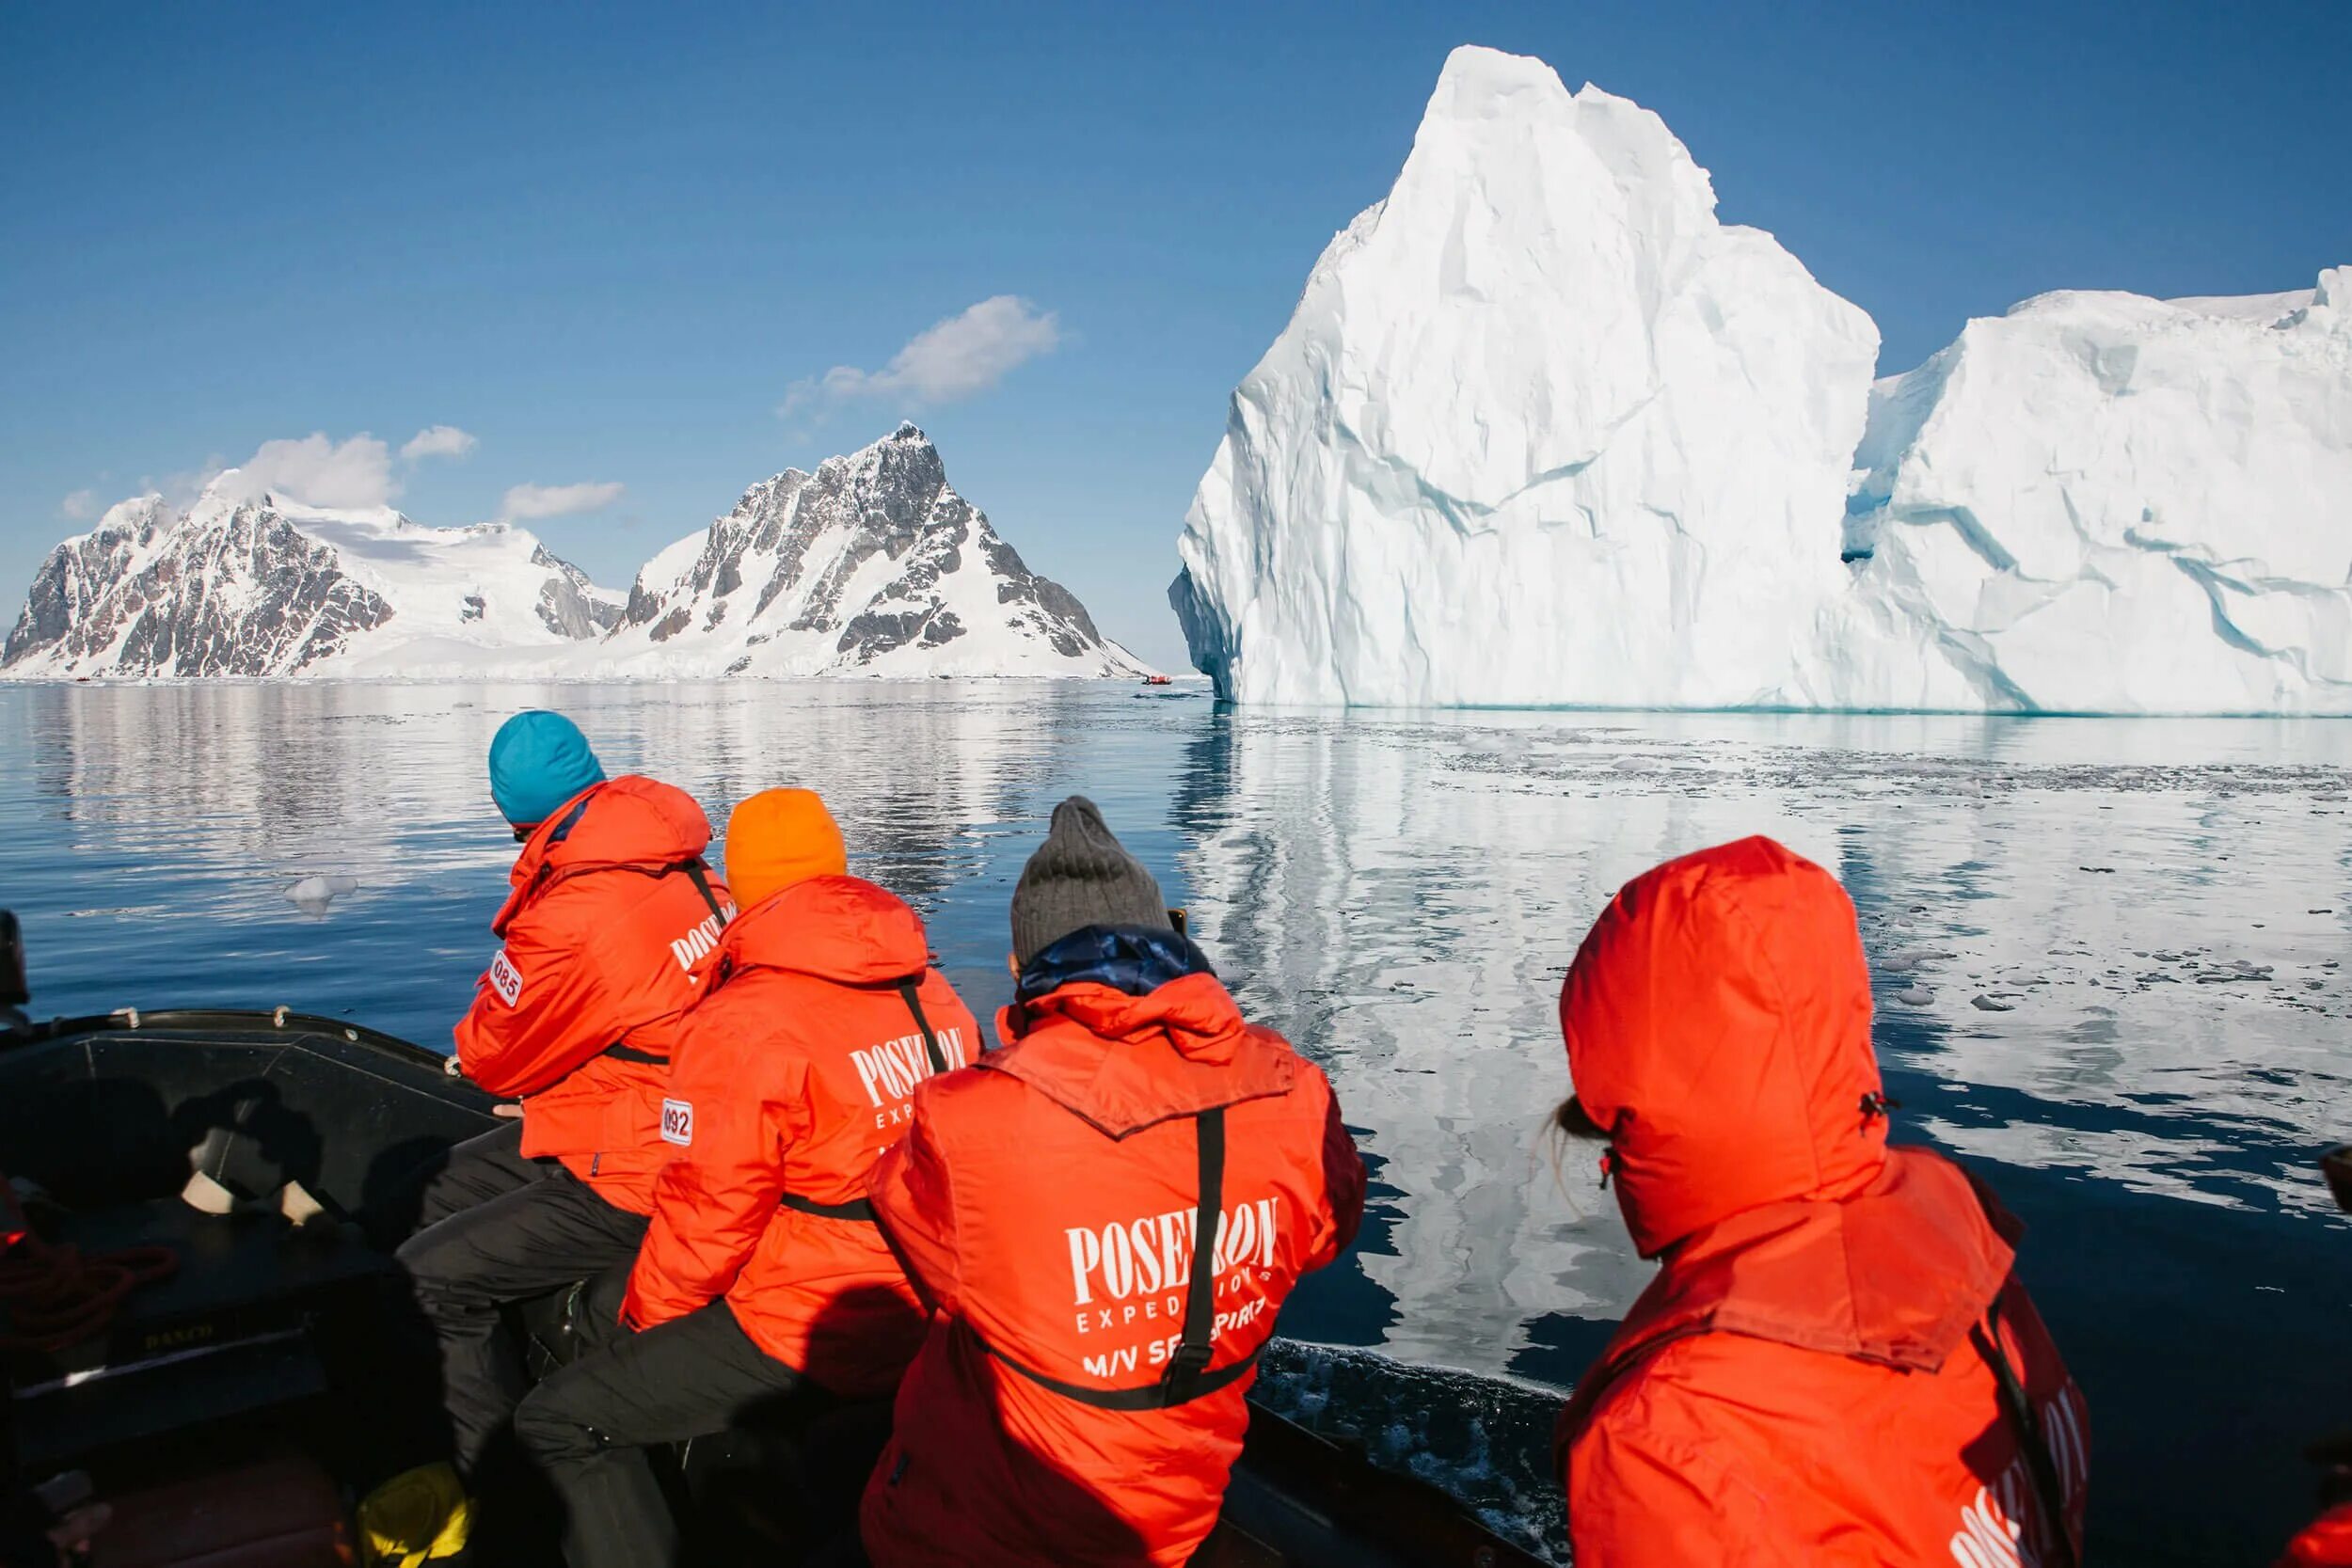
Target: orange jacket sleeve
x=1342, y=1187
x=716, y=1196
x=914, y=1204
x=538, y=1011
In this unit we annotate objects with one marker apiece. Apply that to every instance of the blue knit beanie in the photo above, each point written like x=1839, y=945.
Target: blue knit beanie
x=539, y=760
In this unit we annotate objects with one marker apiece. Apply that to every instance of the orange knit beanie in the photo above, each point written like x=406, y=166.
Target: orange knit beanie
x=779, y=838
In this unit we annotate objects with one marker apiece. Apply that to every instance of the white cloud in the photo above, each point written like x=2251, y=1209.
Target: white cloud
x=81, y=506
x=964, y=354
x=437, y=440
x=317, y=471
x=558, y=500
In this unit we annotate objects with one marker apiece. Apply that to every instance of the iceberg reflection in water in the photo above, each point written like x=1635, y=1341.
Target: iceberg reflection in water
x=2110, y=958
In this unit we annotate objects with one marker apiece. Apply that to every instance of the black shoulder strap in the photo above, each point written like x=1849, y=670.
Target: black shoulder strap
x=2018, y=1406
x=701, y=875
x=1152, y=1396
x=1190, y=1363
x=909, y=994
x=856, y=1208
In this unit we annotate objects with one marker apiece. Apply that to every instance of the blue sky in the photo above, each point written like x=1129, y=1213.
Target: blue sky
x=606, y=241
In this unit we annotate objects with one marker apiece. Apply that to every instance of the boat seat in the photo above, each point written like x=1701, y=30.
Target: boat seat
x=228, y=1333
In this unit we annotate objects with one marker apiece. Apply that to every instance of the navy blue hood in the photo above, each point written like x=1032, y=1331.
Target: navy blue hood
x=1137, y=959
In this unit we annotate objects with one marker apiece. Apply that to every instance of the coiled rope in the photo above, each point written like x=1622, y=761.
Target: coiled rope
x=59, y=1295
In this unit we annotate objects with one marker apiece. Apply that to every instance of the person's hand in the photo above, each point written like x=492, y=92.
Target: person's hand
x=511, y=1109
x=66, y=1499
x=74, y=1534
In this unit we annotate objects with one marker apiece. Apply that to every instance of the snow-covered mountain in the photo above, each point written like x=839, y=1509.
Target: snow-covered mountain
x=1543, y=430
x=231, y=587
x=871, y=565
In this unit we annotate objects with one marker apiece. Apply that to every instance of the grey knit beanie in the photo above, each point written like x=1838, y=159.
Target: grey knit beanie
x=1080, y=876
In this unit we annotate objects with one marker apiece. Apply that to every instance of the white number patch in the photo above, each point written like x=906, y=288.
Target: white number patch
x=506, y=979
x=677, y=1121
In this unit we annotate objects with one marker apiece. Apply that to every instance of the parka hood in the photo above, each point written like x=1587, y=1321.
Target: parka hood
x=629, y=821
x=1135, y=1030
x=839, y=929
x=1718, y=1026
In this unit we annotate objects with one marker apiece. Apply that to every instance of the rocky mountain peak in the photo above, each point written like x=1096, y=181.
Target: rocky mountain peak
x=873, y=562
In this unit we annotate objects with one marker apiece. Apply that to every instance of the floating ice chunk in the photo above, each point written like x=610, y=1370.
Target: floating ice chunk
x=315, y=892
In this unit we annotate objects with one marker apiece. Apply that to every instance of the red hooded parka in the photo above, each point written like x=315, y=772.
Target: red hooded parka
x=792, y=1074
x=1045, y=1203
x=1807, y=1380
x=576, y=1013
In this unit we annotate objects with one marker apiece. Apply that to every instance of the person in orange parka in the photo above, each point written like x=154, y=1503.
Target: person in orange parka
x=2324, y=1543
x=1106, y=1215
x=762, y=1279
x=610, y=904
x=1835, y=1363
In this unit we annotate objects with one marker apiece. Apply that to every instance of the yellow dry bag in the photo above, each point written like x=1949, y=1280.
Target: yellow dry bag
x=418, y=1516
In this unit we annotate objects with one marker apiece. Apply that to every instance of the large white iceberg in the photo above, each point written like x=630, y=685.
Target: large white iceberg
x=2105, y=503
x=1542, y=431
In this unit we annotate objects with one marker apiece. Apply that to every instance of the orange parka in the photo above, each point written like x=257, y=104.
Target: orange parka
x=792, y=1074
x=1047, y=1203
x=1820, y=1374
x=611, y=907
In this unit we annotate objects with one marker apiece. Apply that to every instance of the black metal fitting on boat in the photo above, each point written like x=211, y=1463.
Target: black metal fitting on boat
x=13, y=993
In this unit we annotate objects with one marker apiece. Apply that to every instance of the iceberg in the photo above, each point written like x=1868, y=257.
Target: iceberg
x=1543, y=430
x=2105, y=503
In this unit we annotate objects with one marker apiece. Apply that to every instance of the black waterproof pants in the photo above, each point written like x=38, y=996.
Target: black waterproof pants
x=498, y=1228
x=588, y=1427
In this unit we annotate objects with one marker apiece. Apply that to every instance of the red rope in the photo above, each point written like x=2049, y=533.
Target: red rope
x=58, y=1296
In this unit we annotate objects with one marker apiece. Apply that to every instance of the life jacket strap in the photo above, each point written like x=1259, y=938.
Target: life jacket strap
x=1187, y=1377
x=700, y=875
x=909, y=994
x=1152, y=1396
x=1188, y=1367
x=2017, y=1405
x=857, y=1208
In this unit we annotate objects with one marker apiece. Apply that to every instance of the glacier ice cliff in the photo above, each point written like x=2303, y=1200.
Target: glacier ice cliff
x=1543, y=430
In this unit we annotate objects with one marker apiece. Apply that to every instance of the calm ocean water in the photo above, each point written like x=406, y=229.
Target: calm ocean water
x=2110, y=959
